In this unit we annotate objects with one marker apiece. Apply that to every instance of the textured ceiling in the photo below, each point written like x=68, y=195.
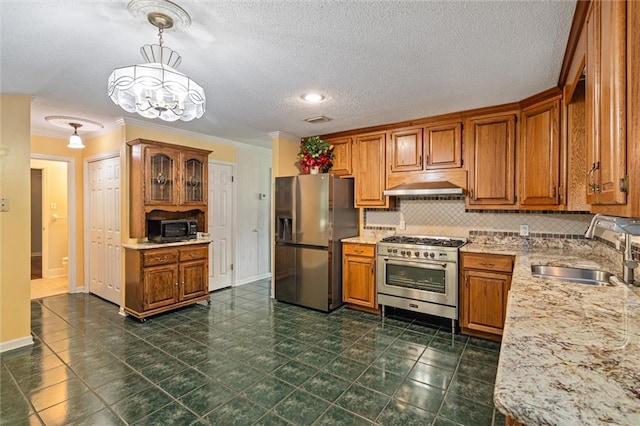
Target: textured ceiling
x=377, y=62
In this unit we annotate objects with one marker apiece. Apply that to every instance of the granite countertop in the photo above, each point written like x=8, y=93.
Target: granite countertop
x=151, y=245
x=570, y=352
x=361, y=240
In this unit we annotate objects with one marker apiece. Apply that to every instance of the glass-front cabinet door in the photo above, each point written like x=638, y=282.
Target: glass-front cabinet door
x=193, y=179
x=160, y=174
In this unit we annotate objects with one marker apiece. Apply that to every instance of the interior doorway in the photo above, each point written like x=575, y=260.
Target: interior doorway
x=52, y=224
x=36, y=224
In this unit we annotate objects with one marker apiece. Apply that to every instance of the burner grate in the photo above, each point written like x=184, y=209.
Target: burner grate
x=424, y=241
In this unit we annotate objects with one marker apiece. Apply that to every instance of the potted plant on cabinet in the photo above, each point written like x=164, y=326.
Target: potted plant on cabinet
x=315, y=156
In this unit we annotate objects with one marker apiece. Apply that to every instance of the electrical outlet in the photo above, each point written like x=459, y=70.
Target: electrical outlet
x=402, y=225
x=4, y=205
x=524, y=230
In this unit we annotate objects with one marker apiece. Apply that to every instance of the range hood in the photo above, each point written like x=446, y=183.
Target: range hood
x=425, y=188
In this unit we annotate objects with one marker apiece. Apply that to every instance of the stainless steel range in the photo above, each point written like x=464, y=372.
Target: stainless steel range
x=419, y=274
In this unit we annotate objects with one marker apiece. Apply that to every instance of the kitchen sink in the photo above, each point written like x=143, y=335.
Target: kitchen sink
x=574, y=275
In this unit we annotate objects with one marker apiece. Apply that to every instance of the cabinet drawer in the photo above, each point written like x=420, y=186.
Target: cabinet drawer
x=488, y=262
x=359, y=249
x=187, y=254
x=159, y=257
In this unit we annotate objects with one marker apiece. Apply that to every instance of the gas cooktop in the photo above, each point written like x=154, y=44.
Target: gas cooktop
x=425, y=241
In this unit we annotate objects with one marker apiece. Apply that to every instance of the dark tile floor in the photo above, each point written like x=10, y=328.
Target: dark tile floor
x=246, y=359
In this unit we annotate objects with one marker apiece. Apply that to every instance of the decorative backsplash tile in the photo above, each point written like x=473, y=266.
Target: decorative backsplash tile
x=447, y=216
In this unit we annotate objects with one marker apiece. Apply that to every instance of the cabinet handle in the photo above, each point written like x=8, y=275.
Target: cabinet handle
x=471, y=194
x=192, y=255
x=420, y=159
x=428, y=159
x=466, y=282
x=161, y=259
x=553, y=192
x=487, y=264
x=358, y=251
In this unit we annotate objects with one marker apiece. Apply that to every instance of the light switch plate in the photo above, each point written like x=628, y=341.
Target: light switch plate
x=524, y=230
x=402, y=225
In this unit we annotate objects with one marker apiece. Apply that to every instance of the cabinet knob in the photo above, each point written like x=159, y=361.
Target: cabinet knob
x=176, y=284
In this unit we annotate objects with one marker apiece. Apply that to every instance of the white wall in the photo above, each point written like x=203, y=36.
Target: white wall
x=253, y=218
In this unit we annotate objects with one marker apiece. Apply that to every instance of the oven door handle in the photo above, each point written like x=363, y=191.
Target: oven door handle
x=417, y=264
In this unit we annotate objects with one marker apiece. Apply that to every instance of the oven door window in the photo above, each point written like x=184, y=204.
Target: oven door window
x=415, y=277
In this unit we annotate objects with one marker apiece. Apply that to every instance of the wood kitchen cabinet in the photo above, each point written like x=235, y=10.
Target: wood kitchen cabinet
x=166, y=178
x=436, y=146
x=484, y=288
x=490, y=159
x=343, y=156
x=404, y=150
x=369, y=170
x=161, y=279
x=606, y=102
x=443, y=146
x=540, y=154
x=358, y=275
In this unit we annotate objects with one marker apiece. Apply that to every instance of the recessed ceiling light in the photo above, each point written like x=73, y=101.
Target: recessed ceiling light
x=313, y=97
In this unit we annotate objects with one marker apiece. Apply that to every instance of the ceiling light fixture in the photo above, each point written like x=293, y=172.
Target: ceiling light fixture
x=313, y=97
x=75, y=141
x=155, y=89
x=63, y=121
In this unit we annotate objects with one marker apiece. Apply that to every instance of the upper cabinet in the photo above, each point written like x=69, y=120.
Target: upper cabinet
x=443, y=146
x=173, y=177
x=433, y=147
x=490, y=159
x=404, y=150
x=540, y=155
x=166, y=179
x=369, y=170
x=342, y=150
x=606, y=85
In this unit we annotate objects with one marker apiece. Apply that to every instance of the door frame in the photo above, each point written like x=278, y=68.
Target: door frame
x=234, y=209
x=86, y=220
x=71, y=213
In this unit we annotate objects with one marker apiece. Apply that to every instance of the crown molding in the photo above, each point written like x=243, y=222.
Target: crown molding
x=191, y=134
x=284, y=135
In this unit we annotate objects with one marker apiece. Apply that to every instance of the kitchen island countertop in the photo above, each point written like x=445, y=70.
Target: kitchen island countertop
x=570, y=352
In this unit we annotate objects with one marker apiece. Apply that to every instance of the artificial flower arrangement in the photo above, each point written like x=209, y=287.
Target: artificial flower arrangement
x=314, y=152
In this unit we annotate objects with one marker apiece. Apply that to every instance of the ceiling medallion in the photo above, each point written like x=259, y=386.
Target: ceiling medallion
x=155, y=89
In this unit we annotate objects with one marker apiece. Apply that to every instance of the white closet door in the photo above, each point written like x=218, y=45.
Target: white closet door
x=220, y=225
x=105, y=229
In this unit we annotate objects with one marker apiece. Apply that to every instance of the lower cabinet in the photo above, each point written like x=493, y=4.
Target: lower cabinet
x=484, y=288
x=358, y=275
x=160, y=279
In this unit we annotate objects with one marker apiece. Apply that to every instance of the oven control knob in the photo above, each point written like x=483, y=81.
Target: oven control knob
x=432, y=255
x=402, y=252
x=395, y=250
x=417, y=253
x=425, y=254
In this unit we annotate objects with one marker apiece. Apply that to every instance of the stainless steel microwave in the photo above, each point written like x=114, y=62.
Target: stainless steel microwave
x=171, y=230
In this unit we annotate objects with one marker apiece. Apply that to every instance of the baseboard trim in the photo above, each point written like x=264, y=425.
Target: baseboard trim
x=122, y=312
x=16, y=343
x=252, y=279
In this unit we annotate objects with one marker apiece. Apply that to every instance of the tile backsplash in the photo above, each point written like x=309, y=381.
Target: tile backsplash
x=447, y=216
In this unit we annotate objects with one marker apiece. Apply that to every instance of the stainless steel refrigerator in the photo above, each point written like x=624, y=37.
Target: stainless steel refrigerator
x=313, y=213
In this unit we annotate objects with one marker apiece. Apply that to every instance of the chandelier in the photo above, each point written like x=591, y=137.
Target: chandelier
x=155, y=89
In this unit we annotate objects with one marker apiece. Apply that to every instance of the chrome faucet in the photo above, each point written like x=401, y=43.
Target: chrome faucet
x=625, y=226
